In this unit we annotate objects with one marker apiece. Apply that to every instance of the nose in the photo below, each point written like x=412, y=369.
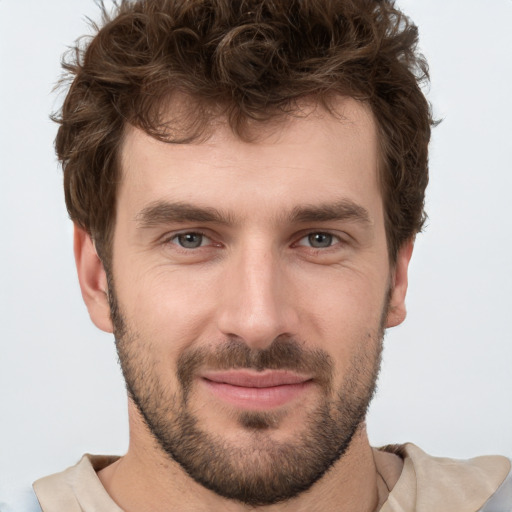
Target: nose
x=256, y=301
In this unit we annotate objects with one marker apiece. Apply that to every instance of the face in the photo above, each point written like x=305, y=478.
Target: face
x=250, y=290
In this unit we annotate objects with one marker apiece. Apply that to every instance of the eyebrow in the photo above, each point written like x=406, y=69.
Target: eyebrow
x=163, y=212
x=344, y=209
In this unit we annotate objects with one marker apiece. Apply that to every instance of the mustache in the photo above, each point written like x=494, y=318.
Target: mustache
x=284, y=353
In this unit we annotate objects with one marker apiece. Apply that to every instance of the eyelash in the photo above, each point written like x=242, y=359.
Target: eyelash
x=175, y=237
x=334, y=240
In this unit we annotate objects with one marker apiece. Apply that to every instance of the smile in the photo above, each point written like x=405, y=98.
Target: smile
x=256, y=390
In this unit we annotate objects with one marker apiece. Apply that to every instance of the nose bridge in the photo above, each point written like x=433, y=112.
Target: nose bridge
x=254, y=306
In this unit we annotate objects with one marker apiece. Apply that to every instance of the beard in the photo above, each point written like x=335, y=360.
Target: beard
x=263, y=470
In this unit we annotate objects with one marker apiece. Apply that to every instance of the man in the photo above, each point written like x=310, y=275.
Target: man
x=246, y=181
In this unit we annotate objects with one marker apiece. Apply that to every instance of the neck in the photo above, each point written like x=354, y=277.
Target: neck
x=145, y=479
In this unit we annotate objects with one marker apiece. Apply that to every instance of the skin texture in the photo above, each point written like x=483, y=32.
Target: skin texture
x=255, y=280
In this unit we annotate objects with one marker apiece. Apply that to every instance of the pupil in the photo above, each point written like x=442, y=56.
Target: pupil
x=320, y=240
x=190, y=240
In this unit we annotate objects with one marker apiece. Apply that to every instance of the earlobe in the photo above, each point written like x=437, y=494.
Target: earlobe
x=93, y=280
x=397, y=310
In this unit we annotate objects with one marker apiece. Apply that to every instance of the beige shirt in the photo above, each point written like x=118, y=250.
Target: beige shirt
x=426, y=484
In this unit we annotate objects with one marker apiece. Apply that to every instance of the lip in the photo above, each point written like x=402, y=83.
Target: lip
x=256, y=390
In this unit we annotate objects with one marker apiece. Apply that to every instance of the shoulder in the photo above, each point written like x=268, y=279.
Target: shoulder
x=77, y=488
x=501, y=500
x=443, y=484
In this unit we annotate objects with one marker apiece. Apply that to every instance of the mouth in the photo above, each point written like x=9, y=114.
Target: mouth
x=253, y=390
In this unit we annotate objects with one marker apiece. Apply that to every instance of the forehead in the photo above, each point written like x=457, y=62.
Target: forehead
x=302, y=159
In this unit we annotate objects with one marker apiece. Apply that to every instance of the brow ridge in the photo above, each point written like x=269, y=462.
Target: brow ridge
x=163, y=212
x=344, y=209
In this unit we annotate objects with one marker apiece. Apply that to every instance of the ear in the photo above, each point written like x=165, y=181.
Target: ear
x=397, y=311
x=93, y=280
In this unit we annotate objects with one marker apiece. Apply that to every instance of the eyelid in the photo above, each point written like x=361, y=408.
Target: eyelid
x=337, y=238
x=170, y=238
x=174, y=237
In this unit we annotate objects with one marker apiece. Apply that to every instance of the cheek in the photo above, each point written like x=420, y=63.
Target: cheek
x=343, y=312
x=171, y=309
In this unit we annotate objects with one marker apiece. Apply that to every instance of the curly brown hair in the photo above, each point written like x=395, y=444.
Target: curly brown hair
x=249, y=61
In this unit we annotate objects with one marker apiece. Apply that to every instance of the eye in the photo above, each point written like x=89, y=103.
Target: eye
x=319, y=240
x=190, y=240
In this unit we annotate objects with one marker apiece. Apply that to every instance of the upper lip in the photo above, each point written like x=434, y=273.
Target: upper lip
x=254, y=379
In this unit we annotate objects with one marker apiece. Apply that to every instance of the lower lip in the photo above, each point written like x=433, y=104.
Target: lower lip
x=257, y=398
